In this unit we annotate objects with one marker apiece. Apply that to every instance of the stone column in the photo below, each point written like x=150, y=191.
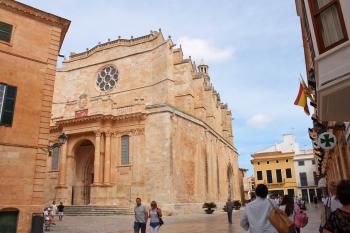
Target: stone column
x=63, y=165
x=107, y=167
x=97, y=158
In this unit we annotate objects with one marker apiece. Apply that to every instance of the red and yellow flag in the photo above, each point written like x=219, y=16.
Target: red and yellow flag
x=301, y=99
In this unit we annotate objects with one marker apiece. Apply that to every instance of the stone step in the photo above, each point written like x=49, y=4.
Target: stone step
x=96, y=211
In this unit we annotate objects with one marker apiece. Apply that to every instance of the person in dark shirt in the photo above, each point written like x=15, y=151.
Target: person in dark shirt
x=60, y=208
x=229, y=209
x=339, y=220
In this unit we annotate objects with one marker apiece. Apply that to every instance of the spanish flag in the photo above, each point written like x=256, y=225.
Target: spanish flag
x=301, y=99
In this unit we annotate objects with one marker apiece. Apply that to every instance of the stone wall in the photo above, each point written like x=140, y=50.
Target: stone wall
x=27, y=62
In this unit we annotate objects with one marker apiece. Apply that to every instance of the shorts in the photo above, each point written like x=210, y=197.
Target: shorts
x=60, y=213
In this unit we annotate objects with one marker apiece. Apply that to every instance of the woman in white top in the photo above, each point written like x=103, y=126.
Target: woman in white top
x=53, y=210
x=256, y=216
x=154, y=215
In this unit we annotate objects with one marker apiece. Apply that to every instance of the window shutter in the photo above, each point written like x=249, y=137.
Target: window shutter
x=125, y=150
x=5, y=31
x=9, y=105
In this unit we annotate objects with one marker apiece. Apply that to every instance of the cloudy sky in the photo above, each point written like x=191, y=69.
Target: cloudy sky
x=253, y=49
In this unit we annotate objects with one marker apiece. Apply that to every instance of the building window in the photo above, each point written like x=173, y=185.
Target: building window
x=301, y=163
x=328, y=23
x=279, y=175
x=5, y=32
x=7, y=103
x=259, y=175
x=313, y=162
x=55, y=155
x=8, y=220
x=277, y=161
x=303, y=178
x=125, y=149
x=286, y=160
x=269, y=176
x=289, y=173
x=258, y=163
x=267, y=162
x=107, y=78
x=316, y=178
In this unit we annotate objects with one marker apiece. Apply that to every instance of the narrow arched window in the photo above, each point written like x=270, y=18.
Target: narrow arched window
x=125, y=150
x=55, y=160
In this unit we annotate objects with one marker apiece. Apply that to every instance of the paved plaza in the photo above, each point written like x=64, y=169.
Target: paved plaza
x=193, y=223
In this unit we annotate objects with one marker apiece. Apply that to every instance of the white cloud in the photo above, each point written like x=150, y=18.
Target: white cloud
x=259, y=121
x=202, y=49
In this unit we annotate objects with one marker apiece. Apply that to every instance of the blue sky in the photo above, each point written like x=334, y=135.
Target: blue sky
x=253, y=49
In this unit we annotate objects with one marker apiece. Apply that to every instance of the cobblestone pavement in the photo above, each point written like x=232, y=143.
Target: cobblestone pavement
x=193, y=223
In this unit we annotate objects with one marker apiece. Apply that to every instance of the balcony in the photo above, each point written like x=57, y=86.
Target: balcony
x=333, y=83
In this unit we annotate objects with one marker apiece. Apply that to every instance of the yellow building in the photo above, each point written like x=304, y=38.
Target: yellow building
x=274, y=166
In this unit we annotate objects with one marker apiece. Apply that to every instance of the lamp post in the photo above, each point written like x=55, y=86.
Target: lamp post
x=61, y=140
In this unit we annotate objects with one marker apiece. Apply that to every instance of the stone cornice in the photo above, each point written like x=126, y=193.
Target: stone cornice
x=37, y=14
x=98, y=117
x=119, y=42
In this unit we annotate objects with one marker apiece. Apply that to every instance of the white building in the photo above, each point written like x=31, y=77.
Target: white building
x=327, y=24
x=305, y=172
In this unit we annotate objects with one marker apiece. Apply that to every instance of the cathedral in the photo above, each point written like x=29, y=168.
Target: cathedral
x=141, y=121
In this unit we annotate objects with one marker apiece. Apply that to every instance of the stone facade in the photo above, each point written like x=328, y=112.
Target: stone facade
x=158, y=131
x=243, y=180
x=28, y=62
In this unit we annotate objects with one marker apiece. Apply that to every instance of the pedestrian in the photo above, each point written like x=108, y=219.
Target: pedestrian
x=287, y=205
x=252, y=196
x=315, y=201
x=53, y=210
x=155, y=215
x=274, y=199
x=60, y=208
x=256, y=215
x=141, y=217
x=339, y=220
x=332, y=201
x=47, y=219
x=229, y=209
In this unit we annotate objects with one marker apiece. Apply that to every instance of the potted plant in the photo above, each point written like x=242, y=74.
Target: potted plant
x=209, y=207
x=237, y=205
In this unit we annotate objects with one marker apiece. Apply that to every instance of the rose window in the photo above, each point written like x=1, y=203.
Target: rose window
x=107, y=78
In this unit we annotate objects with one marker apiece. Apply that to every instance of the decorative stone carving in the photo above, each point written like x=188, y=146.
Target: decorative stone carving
x=83, y=100
x=108, y=133
x=98, y=133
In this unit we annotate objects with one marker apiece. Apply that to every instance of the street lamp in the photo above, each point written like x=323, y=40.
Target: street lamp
x=61, y=140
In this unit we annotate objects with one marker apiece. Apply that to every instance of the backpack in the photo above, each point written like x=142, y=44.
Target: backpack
x=300, y=218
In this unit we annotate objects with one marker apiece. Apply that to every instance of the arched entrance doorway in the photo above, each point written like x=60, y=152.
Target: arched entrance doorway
x=84, y=173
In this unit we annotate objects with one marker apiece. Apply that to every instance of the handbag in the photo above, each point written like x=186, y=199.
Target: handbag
x=280, y=220
x=161, y=222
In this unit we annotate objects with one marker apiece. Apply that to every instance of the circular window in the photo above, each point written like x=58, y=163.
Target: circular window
x=107, y=78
